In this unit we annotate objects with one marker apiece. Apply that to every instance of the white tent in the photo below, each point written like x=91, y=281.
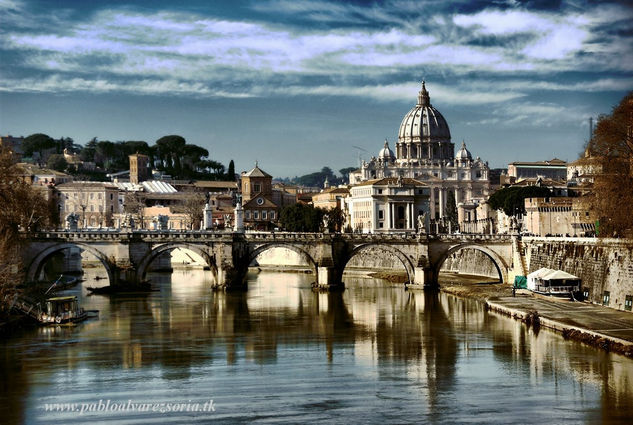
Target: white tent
x=553, y=280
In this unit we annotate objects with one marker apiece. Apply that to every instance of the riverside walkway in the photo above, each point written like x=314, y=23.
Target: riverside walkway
x=590, y=323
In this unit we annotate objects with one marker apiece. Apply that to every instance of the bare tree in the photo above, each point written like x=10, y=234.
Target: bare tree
x=192, y=206
x=21, y=209
x=612, y=197
x=135, y=205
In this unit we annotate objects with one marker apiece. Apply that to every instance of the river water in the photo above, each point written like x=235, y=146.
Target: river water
x=282, y=353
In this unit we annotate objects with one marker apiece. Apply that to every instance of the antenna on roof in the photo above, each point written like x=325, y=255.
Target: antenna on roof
x=360, y=159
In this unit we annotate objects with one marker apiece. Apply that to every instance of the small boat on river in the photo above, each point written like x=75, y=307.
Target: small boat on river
x=62, y=310
x=56, y=311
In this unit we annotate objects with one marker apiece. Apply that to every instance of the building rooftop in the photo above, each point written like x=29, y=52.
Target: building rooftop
x=257, y=172
x=391, y=181
x=554, y=162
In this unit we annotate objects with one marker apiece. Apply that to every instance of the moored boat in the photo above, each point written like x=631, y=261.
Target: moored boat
x=62, y=310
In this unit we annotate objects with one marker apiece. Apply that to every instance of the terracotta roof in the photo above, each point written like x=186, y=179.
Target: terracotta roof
x=333, y=190
x=216, y=184
x=257, y=172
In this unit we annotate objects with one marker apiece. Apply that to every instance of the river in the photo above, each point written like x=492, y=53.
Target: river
x=282, y=353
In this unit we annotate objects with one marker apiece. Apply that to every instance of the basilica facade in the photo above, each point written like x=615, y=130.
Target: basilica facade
x=424, y=152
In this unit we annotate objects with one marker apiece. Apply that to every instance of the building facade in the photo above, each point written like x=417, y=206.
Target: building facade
x=260, y=210
x=425, y=152
x=388, y=205
x=555, y=169
x=94, y=202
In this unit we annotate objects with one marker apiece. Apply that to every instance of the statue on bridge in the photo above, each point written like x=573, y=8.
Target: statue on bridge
x=422, y=223
x=71, y=222
x=128, y=222
x=161, y=222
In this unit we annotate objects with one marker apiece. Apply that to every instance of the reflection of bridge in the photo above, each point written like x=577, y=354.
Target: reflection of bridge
x=126, y=256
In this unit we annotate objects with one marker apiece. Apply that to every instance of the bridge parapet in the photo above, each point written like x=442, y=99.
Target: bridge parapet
x=127, y=254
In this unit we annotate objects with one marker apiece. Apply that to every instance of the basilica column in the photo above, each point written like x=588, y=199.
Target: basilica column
x=388, y=212
x=442, y=200
x=432, y=202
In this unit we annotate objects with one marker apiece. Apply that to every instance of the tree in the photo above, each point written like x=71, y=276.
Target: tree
x=511, y=200
x=57, y=162
x=612, y=197
x=192, y=207
x=134, y=204
x=301, y=218
x=230, y=174
x=88, y=152
x=170, y=150
x=317, y=179
x=37, y=143
x=335, y=219
x=21, y=208
x=451, y=209
x=345, y=172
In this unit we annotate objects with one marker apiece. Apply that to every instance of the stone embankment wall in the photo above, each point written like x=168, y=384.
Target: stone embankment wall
x=604, y=265
x=470, y=261
x=281, y=257
x=374, y=259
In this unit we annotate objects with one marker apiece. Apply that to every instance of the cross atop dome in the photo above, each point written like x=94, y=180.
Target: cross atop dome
x=423, y=96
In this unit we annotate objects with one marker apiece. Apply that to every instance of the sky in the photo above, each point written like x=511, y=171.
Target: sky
x=298, y=85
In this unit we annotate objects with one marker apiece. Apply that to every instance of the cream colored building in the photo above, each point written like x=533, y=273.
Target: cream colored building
x=330, y=198
x=387, y=205
x=94, y=202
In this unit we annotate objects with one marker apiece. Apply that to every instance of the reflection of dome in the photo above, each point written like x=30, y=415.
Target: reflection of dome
x=463, y=154
x=424, y=124
x=386, y=153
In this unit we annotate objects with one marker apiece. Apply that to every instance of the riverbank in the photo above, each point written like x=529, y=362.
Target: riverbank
x=595, y=325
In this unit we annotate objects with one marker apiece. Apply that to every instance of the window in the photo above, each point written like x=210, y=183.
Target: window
x=257, y=187
x=248, y=215
x=380, y=191
x=256, y=215
x=585, y=293
x=264, y=215
x=628, y=303
x=111, y=196
x=380, y=215
x=272, y=215
x=380, y=225
x=606, y=297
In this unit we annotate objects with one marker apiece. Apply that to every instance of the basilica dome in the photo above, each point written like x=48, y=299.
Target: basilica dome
x=424, y=133
x=463, y=154
x=385, y=153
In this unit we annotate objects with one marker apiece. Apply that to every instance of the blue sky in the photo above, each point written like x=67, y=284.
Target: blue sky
x=297, y=84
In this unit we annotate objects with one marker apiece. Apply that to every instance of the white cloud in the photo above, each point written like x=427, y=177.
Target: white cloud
x=191, y=52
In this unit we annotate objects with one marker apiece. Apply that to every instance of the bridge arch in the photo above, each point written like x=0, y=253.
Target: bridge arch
x=406, y=261
x=35, y=266
x=294, y=248
x=497, y=260
x=145, y=262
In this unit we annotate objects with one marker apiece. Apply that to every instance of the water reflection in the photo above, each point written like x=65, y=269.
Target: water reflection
x=370, y=354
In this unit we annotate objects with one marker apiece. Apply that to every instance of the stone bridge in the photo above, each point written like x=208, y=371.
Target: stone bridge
x=127, y=256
